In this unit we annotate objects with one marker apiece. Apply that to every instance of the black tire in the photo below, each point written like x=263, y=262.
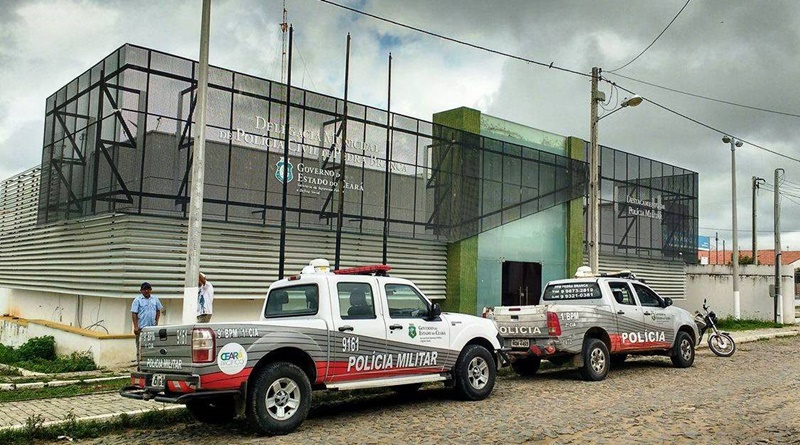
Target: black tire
x=212, y=411
x=683, y=351
x=526, y=367
x=721, y=345
x=618, y=359
x=596, y=360
x=405, y=390
x=278, y=399
x=475, y=373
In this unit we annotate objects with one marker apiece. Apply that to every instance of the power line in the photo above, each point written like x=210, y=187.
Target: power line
x=551, y=66
x=744, y=230
x=702, y=124
x=700, y=96
x=656, y=39
x=460, y=42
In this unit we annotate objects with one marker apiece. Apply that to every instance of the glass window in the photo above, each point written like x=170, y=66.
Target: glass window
x=647, y=297
x=405, y=302
x=355, y=301
x=572, y=291
x=292, y=301
x=622, y=292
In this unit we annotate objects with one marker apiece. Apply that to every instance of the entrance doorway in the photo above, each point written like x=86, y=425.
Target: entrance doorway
x=522, y=283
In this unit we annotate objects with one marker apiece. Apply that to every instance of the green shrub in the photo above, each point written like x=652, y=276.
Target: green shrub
x=75, y=362
x=39, y=347
x=7, y=354
x=39, y=355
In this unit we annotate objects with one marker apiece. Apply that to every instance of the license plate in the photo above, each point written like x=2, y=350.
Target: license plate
x=520, y=343
x=158, y=380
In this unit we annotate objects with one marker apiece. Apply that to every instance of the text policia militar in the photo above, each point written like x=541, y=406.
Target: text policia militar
x=312, y=144
x=389, y=361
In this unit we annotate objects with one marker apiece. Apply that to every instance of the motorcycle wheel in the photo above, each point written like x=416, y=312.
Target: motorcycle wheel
x=721, y=345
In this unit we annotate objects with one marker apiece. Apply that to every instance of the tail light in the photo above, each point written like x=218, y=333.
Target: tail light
x=553, y=325
x=203, y=345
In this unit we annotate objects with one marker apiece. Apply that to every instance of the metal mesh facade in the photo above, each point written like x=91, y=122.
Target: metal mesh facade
x=118, y=139
x=647, y=208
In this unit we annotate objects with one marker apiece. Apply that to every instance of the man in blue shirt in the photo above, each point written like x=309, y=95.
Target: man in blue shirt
x=145, y=311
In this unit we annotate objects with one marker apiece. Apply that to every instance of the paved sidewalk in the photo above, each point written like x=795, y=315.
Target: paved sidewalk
x=87, y=407
x=105, y=405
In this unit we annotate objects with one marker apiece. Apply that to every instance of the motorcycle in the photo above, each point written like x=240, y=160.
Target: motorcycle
x=720, y=343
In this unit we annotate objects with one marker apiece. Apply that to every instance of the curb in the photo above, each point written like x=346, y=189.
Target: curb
x=55, y=383
x=96, y=417
x=744, y=338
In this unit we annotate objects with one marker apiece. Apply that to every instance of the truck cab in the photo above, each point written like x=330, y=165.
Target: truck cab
x=318, y=330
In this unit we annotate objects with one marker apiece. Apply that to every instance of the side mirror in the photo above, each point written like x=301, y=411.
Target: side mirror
x=435, y=311
x=667, y=302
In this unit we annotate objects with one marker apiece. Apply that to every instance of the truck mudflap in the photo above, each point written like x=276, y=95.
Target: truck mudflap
x=169, y=388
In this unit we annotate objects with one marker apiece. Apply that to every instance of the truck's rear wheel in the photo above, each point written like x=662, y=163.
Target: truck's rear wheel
x=278, y=399
x=596, y=360
x=526, y=367
x=475, y=373
x=212, y=411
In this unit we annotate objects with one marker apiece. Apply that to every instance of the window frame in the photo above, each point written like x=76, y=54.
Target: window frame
x=291, y=314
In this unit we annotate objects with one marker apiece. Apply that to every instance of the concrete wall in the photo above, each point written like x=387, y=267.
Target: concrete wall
x=715, y=283
x=106, y=350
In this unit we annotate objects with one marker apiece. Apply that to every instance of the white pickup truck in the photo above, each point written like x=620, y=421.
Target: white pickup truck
x=592, y=323
x=320, y=330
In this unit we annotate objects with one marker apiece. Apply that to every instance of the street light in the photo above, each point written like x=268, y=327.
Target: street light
x=594, y=168
x=735, y=257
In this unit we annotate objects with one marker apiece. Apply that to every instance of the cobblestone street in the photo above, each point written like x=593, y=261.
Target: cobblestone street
x=752, y=397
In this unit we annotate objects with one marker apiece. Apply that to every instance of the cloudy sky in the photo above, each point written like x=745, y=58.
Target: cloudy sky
x=736, y=51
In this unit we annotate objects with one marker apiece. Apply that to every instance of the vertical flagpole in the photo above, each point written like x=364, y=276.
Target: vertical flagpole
x=285, y=166
x=388, y=161
x=190, y=286
x=342, y=158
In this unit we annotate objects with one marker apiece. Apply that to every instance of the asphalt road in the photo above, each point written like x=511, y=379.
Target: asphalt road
x=752, y=397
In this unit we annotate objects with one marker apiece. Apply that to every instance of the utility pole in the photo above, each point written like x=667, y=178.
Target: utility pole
x=735, y=254
x=716, y=246
x=594, y=176
x=756, y=183
x=190, y=284
x=777, y=243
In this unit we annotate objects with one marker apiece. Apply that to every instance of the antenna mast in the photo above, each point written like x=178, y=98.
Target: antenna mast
x=284, y=28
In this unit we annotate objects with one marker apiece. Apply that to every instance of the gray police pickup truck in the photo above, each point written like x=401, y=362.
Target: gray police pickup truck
x=320, y=330
x=593, y=322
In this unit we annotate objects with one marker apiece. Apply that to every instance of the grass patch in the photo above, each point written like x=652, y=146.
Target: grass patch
x=63, y=391
x=39, y=355
x=86, y=429
x=732, y=324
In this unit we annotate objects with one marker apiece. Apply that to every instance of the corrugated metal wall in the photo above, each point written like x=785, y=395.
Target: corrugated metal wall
x=666, y=277
x=110, y=255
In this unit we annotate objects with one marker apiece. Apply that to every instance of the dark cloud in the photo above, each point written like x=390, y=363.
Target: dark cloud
x=730, y=50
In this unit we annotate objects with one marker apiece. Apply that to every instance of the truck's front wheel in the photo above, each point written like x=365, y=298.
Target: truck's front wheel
x=278, y=399
x=596, y=360
x=475, y=373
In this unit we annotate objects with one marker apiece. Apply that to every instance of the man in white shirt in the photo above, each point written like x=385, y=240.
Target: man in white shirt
x=205, y=299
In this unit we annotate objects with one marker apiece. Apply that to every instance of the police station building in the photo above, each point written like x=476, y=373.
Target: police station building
x=474, y=209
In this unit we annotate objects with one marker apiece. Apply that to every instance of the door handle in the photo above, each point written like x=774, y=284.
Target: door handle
x=620, y=312
x=648, y=313
x=396, y=326
x=345, y=328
